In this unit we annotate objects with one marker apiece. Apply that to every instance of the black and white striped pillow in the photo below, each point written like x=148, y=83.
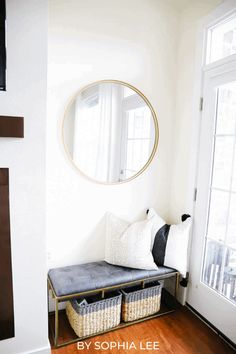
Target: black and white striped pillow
x=171, y=242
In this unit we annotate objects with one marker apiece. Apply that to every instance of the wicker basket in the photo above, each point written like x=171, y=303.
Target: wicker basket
x=94, y=314
x=140, y=302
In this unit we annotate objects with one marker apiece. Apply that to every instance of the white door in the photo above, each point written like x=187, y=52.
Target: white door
x=212, y=290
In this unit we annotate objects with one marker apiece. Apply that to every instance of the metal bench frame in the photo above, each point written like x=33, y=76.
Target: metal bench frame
x=58, y=299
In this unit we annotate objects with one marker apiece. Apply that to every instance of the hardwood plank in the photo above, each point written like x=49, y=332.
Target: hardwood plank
x=180, y=332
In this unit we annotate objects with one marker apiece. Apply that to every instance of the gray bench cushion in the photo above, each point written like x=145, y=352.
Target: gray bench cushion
x=96, y=275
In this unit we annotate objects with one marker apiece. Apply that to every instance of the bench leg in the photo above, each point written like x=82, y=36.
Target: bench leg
x=56, y=323
x=176, y=284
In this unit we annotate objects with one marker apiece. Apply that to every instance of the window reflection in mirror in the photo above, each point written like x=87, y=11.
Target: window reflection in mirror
x=110, y=132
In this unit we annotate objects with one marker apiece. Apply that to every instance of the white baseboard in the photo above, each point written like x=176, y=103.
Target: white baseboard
x=44, y=350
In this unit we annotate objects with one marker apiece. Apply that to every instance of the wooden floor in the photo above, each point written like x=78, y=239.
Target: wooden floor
x=178, y=333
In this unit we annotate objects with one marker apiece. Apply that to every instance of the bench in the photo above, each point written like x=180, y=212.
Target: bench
x=77, y=280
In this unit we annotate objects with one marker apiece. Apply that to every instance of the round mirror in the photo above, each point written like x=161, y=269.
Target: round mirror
x=110, y=131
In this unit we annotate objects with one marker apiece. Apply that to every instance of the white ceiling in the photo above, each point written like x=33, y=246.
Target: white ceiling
x=183, y=4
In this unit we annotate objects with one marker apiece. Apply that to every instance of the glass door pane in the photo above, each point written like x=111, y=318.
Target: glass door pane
x=219, y=267
x=229, y=276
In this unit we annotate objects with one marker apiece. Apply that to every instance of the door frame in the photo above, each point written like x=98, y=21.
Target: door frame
x=223, y=11
x=198, y=290
x=203, y=71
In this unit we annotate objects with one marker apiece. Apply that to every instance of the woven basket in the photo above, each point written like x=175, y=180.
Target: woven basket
x=138, y=302
x=94, y=314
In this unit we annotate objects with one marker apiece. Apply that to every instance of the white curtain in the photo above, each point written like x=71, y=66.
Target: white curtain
x=104, y=138
x=94, y=144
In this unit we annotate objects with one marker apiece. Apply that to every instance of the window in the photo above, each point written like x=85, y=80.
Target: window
x=128, y=92
x=2, y=47
x=138, y=139
x=221, y=40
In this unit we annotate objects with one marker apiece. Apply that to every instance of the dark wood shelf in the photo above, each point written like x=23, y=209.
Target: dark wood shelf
x=6, y=294
x=11, y=127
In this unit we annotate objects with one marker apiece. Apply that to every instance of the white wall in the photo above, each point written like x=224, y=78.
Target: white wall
x=185, y=138
x=26, y=96
x=152, y=45
x=133, y=41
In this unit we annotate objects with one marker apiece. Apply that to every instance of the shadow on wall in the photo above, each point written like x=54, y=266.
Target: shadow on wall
x=95, y=241
x=91, y=246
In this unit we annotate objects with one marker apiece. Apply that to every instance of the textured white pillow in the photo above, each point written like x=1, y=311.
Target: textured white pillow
x=176, y=255
x=157, y=223
x=114, y=229
x=129, y=246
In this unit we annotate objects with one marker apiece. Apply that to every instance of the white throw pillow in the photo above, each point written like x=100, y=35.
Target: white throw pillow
x=114, y=228
x=157, y=223
x=176, y=255
x=129, y=245
x=171, y=247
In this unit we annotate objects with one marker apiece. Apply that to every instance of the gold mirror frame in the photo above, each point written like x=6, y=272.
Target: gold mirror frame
x=154, y=116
